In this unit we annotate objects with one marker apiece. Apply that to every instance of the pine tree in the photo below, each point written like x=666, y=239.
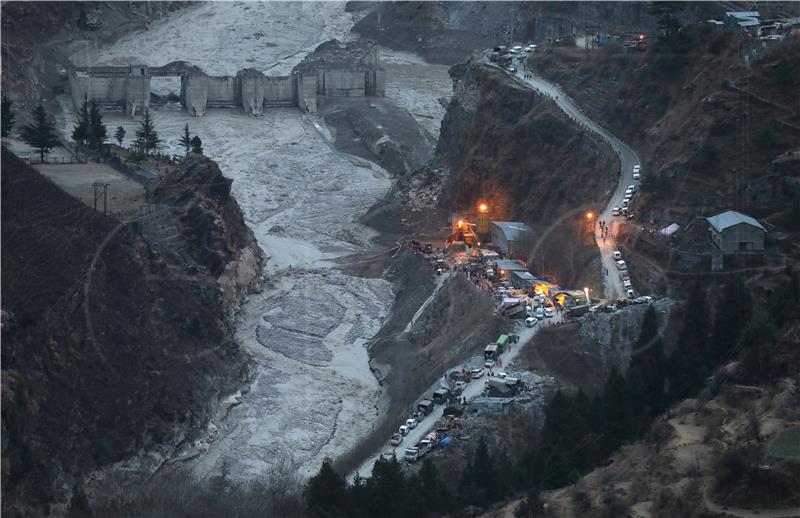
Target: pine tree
x=119, y=135
x=197, y=145
x=7, y=117
x=80, y=132
x=97, y=134
x=484, y=476
x=186, y=140
x=667, y=15
x=435, y=497
x=326, y=494
x=691, y=361
x=387, y=494
x=41, y=134
x=618, y=410
x=756, y=343
x=735, y=310
x=146, y=136
x=647, y=371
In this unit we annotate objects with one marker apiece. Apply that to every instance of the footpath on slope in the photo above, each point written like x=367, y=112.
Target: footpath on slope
x=627, y=156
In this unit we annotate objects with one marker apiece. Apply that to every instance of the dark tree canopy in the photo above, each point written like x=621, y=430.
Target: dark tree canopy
x=41, y=134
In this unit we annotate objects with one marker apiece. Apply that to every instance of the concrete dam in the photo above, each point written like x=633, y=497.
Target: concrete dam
x=334, y=69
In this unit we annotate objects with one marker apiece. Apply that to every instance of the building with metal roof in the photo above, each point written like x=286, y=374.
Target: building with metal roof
x=733, y=231
x=506, y=266
x=508, y=237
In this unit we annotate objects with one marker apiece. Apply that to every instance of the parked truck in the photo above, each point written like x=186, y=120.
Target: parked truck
x=422, y=448
x=425, y=406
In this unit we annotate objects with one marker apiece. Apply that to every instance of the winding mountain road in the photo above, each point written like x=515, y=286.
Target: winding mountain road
x=628, y=158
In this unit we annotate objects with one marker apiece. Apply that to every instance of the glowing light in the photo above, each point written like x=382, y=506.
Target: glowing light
x=460, y=223
x=641, y=36
x=589, y=215
x=483, y=207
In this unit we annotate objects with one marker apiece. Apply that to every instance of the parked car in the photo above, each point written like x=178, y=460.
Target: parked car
x=539, y=313
x=387, y=455
x=627, y=284
x=617, y=255
x=637, y=168
x=621, y=265
x=646, y=299
x=488, y=364
x=396, y=439
x=477, y=373
x=632, y=187
x=404, y=429
x=549, y=312
x=530, y=322
x=637, y=176
x=625, y=203
x=512, y=69
x=501, y=375
x=615, y=211
x=411, y=423
x=628, y=191
x=631, y=294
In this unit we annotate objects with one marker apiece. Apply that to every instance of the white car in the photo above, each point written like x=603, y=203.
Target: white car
x=625, y=203
x=396, y=439
x=631, y=294
x=539, y=313
x=621, y=265
x=530, y=322
x=388, y=455
x=512, y=69
x=615, y=211
x=646, y=299
x=549, y=312
x=488, y=364
x=636, y=176
x=632, y=187
x=411, y=423
x=501, y=375
x=617, y=255
x=477, y=373
x=404, y=429
x=627, y=284
x=637, y=168
x=628, y=191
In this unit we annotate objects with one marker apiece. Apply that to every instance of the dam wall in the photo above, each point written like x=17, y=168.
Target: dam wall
x=128, y=87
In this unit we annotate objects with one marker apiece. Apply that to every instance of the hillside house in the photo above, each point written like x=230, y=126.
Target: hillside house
x=733, y=232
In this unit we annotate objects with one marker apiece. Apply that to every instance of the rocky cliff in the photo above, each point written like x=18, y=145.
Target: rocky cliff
x=515, y=150
x=110, y=344
x=212, y=227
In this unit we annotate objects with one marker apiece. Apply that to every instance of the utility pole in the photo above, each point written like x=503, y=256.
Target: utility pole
x=97, y=186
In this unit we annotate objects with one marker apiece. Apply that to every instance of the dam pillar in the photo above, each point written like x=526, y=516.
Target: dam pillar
x=251, y=91
x=137, y=90
x=194, y=93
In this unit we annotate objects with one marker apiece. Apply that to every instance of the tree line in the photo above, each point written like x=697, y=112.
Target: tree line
x=90, y=133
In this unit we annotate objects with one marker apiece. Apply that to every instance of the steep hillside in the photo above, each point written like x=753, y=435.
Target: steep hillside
x=109, y=346
x=514, y=149
x=448, y=32
x=33, y=72
x=713, y=117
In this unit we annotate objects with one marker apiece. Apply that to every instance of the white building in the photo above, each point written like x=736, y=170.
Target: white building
x=733, y=231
